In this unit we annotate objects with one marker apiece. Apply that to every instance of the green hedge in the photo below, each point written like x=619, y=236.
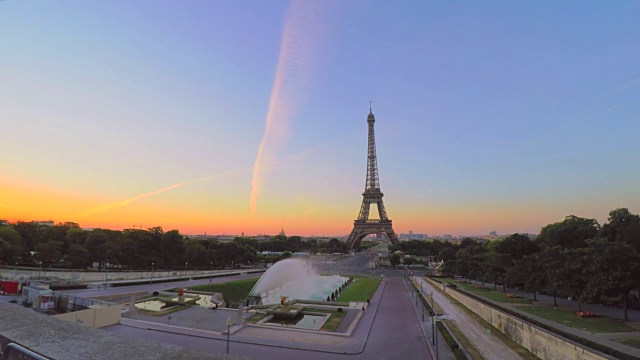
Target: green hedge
x=147, y=281
x=214, y=276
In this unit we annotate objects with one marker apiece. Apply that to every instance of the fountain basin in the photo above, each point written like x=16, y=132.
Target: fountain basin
x=305, y=320
x=286, y=311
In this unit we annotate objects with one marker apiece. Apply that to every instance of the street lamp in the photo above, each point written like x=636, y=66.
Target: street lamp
x=228, y=332
x=152, y=264
x=106, y=274
x=433, y=324
x=210, y=271
x=40, y=272
x=435, y=334
x=185, y=267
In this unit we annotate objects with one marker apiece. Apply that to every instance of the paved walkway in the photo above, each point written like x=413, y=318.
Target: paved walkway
x=443, y=352
x=488, y=345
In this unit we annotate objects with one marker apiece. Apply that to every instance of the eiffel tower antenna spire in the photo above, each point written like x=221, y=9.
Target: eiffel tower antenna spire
x=364, y=226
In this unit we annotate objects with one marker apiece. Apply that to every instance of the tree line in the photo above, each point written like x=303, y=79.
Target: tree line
x=576, y=258
x=67, y=245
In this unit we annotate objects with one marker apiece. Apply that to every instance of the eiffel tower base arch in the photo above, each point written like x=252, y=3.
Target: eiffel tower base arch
x=362, y=229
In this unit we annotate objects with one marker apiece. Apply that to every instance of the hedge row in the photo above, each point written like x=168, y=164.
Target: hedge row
x=148, y=281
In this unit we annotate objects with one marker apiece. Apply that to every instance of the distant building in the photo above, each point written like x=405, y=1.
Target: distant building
x=493, y=233
x=44, y=223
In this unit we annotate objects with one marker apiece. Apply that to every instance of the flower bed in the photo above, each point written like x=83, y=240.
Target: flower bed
x=513, y=296
x=586, y=314
x=479, y=287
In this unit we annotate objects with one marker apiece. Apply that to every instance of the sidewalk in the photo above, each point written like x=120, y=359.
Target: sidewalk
x=444, y=352
x=487, y=344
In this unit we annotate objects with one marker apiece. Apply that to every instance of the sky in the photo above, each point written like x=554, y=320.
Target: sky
x=230, y=117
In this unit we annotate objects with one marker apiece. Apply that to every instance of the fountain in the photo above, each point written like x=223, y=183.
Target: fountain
x=295, y=279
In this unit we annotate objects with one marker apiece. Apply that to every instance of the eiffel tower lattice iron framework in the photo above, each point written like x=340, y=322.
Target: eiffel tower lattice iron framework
x=364, y=226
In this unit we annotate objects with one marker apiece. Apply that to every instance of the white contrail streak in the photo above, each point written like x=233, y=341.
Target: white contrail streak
x=296, y=55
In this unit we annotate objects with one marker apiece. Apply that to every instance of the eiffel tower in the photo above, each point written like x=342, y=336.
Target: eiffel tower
x=364, y=226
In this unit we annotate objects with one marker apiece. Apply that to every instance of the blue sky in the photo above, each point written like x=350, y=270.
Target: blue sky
x=492, y=115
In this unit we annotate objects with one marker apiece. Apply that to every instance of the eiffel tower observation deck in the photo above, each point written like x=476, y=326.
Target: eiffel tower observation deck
x=364, y=226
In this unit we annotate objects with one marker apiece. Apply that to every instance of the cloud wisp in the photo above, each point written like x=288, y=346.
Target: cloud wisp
x=297, y=48
x=110, y=206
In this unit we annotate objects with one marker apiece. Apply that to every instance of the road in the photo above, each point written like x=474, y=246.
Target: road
x=487, y=344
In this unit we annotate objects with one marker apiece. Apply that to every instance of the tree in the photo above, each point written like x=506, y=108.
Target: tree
x=31, y=234
x=78, y=255
x=394, y=259
x=553, y=259
x=575, y=278
x=529, y=271
x=10, y=243
x=468, y=262
x=49, y=252
x=495, y=266
x=172, y=249
x=95, y=244
x=623, y=226
x=517, y=246
x=447, y=254
x=572, y=232
x=614, y=270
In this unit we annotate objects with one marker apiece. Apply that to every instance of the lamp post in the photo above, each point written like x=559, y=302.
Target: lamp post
x=435, y=335
x=228, y=332
x=40, y=270
x=152, y=268
x=210, y=271
x=106, y=274
x=185, y=267
x=433, y=324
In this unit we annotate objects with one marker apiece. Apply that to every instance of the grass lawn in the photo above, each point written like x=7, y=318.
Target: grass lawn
x=231, y=291
x=168, y=311
x=332, y=324
x=631, y=342
x=255, y=318
x=360, y=290
x=567, y=317
x=497, y=296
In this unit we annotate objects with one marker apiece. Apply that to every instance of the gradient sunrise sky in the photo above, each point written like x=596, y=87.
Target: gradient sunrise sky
x=250, y=116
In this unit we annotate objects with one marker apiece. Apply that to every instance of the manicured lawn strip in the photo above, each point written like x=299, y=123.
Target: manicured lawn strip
x=255, y=318
x=168, y=311
x=630, y=342
x=360, y=290
x=463, y=341
x=330, y=326
x=355, y=276
x=497, y=296
x=569, y=318
x=232, y=291
x=334, y=321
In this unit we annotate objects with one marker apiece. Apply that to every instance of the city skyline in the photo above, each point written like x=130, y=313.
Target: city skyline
x=248, y=117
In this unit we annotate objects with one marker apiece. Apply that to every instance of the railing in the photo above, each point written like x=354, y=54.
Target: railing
x=14, y=351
